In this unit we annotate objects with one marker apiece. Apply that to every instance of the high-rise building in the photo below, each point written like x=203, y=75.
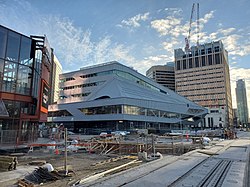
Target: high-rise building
x=235, y=118
x=56, y=71
x=111, y=96
x=163, y=74
x=25, y=66
x=202, y=75
x=241, y=99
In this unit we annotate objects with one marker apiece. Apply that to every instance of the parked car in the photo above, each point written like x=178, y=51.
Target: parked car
x=103, y=134
x=70, y=133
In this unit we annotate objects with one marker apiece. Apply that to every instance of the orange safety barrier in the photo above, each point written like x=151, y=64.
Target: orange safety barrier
x=56, y=144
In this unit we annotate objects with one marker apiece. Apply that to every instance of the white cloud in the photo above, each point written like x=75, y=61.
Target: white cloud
x=206, y=18
x=166, y=26
x=73, y=46
x=134, y=22
x=144, y=64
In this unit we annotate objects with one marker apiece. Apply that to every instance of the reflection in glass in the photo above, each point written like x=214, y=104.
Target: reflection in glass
x=24, y=80
x=36, y=83
x=9, y=76
x=1, y=73
x=13, y=46
x=25, y=51
x=3, y=40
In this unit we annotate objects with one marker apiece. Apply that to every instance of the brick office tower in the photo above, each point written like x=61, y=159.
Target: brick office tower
x=202, y=75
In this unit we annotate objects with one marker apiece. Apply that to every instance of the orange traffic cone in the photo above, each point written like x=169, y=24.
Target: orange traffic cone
x=57, y=151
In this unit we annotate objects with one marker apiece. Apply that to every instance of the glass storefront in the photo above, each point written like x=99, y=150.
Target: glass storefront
x=20, y=76
x=128, y=109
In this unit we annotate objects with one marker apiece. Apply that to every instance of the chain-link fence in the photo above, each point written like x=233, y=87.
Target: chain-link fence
x=17, y=137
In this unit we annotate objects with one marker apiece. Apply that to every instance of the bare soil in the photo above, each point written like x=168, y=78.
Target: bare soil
x=82, y=164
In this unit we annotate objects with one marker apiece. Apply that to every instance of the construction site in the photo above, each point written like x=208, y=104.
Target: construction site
x=84, y=158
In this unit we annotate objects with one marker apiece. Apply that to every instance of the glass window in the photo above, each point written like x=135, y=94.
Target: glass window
x=36, y=83
x=13, y=108
x=196, y=62
x=217, y=58
x=178, y=65
x=24, y=80
x=13, y=46
x=184, y=64
x=3, y=40
x=25, y=55
x=210, y=61
x=1, y=72
x=203, y=61
x=190, y=63
x=9, y=76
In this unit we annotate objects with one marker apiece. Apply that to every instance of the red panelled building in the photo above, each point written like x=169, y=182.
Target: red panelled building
x=25, y=66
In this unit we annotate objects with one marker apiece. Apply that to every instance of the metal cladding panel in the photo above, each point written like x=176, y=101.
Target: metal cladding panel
x=119, y=90
x=73, y=108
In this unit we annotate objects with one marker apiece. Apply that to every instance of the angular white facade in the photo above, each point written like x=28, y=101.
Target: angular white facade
x=112, y=96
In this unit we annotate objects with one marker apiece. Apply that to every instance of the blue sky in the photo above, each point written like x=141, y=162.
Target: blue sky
x=137, y=33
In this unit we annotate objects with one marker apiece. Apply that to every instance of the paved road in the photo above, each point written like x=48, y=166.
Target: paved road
x=226, y=167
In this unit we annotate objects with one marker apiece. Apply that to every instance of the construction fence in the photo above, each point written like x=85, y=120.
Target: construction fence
x=17, y=137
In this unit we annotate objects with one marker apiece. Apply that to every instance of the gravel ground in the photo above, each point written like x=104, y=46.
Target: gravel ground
x=82, y=165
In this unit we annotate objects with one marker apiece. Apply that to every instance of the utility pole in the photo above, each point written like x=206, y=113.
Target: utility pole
x=65, y=151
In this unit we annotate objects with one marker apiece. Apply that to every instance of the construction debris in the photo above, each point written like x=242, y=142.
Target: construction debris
x=99, y=175
x=37, y=162
x=8, y=163
x=25, y=183
x=42, y=175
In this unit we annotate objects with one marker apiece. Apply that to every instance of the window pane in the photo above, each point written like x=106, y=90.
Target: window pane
x=9, y=77
x=13, y=46
x=210, y=61
x=24, y=80
x=203, y=61
x=178, y=65
x=3, y=40
x=184, y=64
x=196, y=62
x=1, y=73
x=25, y=57
x=217, y=58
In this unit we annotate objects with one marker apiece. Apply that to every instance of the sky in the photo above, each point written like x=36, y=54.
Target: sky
x=136, y=33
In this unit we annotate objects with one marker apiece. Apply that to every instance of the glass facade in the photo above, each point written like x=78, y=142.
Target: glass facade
x=128, y=109
x=20, y=76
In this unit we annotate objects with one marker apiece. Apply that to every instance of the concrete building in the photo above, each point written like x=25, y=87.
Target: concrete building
x=163, y=74
x=235, y=118
x=25, y=67
x=112, y=96
x=56, y=71
x=241, y=99
x=202, y=75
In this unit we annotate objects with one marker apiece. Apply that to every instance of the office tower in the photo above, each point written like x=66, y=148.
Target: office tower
x=163, y=74
x=112, y=96
x=235, y=118
x=202, y=75
x=241, y=99
x=56, y=71
x=25, y=66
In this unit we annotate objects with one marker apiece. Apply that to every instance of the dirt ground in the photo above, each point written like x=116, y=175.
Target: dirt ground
x=82, y=164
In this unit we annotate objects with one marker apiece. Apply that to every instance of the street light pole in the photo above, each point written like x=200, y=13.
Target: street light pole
x=65, y=151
